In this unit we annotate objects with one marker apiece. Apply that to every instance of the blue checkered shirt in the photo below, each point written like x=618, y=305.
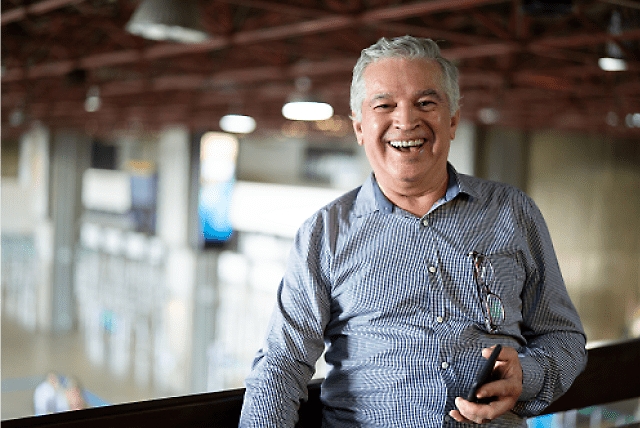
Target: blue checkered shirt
x=393, y=298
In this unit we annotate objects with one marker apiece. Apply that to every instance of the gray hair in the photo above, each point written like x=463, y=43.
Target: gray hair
x=403, y=47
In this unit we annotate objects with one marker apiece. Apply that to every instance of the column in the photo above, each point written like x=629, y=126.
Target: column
x=174, y=368
x=503, y=155
x=33, y=174
x=70, y=157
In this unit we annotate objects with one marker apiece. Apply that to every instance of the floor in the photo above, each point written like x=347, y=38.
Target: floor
x=27, y=357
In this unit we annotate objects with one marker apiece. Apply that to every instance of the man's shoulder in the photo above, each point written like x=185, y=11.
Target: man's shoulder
x=481, y=187
x=342, y=204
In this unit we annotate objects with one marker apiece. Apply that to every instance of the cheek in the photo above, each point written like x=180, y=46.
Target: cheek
x=374, y=129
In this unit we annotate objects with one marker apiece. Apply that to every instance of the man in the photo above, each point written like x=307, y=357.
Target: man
x=412, y=278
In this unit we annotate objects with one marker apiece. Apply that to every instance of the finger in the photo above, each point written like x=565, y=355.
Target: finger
x=502, y=388
x=507, y=354
x=486, y=352
x=457, y=416
x=476, y=413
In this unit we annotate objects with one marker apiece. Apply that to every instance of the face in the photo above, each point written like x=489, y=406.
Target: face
x=406, y=125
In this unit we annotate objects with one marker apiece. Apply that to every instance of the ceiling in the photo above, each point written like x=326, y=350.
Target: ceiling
x=519, y=68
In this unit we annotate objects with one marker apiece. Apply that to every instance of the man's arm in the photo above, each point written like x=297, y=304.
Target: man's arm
x=555, y=353
x=282, y=369
x=544, y=368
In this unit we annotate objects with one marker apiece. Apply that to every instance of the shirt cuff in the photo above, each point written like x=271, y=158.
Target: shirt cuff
x=532, y=377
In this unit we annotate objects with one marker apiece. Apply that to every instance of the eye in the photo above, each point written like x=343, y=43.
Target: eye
x=425, y=103
x=382, y=106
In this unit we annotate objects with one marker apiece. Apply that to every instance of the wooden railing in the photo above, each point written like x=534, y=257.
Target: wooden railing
x=612, y=374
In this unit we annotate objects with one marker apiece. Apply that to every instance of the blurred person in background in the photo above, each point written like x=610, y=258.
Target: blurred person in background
x=58, y=394
x=412, y=278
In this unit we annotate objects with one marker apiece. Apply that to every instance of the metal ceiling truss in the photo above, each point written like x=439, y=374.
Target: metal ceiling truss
x=535, y=71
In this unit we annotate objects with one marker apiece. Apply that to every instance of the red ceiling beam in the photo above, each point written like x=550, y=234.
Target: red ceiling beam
x=280, y=8
x=435, y=33
x=586, y=39
x=480, y=51
x=40, y=8
x=422, y=8
x=320, y=25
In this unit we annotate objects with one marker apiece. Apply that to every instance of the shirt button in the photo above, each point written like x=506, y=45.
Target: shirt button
x=439, y=319
x=445, y=365
x=425, y=222
x=432, y=269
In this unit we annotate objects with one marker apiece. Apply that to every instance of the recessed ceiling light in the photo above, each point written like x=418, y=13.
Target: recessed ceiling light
x=237, y=124
x=307, y=110
x=612, y=64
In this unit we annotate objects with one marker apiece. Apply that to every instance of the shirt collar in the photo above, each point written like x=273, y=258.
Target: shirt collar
x=371, y=199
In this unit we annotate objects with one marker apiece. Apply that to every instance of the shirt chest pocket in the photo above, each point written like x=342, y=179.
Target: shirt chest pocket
x=507, y=282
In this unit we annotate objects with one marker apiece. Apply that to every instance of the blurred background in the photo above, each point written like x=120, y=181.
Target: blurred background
x=154, y=170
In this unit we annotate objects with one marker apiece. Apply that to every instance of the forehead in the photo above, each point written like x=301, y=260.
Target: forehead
x=401, y=75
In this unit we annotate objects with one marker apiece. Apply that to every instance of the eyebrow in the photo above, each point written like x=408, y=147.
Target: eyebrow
x=379, y=97
x=422, y=93
x=430, y=92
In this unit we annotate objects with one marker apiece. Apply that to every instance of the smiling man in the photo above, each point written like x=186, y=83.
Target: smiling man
x=405, y=125
x=410, y=280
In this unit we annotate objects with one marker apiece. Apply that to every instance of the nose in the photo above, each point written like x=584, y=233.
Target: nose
x=405, y=118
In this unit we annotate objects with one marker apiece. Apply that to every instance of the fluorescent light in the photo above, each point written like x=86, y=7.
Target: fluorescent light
x=307, y=110
x=488, y=115
x=632, y=120
x=16, y=118
x=237, y=124
x=92, y=102
x=154, y=31
x=177, y=20
x=612, y=64
x=612, y=118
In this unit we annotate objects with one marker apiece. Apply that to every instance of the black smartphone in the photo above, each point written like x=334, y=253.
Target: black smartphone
x=483, y=376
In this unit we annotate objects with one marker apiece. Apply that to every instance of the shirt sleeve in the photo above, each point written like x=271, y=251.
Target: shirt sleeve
x=555, y=353
x=284, y=366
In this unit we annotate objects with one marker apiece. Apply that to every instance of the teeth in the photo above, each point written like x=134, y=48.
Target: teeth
x=406, y=143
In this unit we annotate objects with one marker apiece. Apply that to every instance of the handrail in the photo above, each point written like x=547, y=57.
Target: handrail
x=612, y=374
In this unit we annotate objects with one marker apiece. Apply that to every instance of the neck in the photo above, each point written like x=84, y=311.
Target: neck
x=417, y=200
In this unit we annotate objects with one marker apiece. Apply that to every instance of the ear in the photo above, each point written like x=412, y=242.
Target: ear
x=357, y=129
x=455, y=120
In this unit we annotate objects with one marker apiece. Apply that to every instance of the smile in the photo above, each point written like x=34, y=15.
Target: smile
x=407, y=143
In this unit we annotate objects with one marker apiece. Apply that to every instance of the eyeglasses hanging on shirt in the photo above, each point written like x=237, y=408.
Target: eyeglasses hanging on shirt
x=492, y=304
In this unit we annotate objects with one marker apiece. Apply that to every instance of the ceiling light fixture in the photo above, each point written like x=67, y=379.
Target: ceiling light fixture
x=613, y=61
x=16, y=117
x=307, y=109
x=237, y=124
x=632, y=120
x=303, y=106
x=612, y=64
x=488, y=115
x=176, y=20
x=92, y=102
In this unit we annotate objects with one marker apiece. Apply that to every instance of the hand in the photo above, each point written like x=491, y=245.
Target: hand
x=506, y=389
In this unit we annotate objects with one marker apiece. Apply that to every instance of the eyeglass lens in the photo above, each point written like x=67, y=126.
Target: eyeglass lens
x=495, y=309
x=484, y=270
x=484, y=276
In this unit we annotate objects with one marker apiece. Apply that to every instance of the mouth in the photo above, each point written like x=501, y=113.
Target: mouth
x=407, y=144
